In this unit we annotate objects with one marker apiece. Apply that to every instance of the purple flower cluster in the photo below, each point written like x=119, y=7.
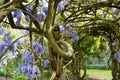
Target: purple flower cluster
x=73, y=34
x=41, y=17
x=17, y=14
x=13, y=47
x=38, y=48
x=19, y=42
x=1, y=31
x=2, y=47
x=45, y=63
x=5, y=41
x=27, y=17
x=70, y=32
x=39, y=14
x=62, y=29
x=62, y=4
x=30, y=71
x=117, y=56
x=28, y=68
x=37, y=71
x=28, y=58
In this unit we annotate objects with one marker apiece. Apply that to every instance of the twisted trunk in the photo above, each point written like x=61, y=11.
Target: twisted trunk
x=57, y=55
x=56, y=48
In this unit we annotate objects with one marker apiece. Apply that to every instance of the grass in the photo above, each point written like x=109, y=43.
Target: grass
x=100, y=74
x=96, y=73
x=91, y=73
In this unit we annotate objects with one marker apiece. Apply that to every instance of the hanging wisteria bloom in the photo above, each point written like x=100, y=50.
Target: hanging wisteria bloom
x=45, y=63
x=7, y=40
x=62, y=4
x=41, y=17
x=30, y=71
x=37, y=71
x=62, y=29
x=73, y=34
x=18, y=22
x=75, y=38
x=38, y=48
x=27, y=57
x=18, y=15
x=2, y=47
x=1, y=31
x=39, y=14
x=19, y=42
x=27, y=70
x=7, y=34
x=13, y=47
x=27, y=18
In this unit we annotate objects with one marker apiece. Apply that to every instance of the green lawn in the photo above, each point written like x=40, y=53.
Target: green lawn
x=96, y=74
x=100, y=74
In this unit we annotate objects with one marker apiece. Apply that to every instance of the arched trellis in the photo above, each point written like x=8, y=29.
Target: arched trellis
x=111, y=33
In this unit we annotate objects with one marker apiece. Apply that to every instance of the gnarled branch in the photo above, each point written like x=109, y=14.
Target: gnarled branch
x=56, y=48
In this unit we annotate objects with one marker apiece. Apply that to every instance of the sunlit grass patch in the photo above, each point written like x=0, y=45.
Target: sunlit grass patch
x=100, y=74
